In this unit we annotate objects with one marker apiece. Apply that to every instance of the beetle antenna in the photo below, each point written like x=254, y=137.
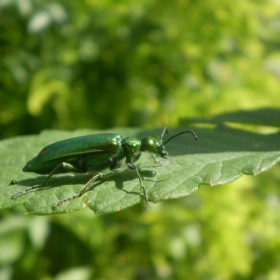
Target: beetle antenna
x=180, y=133
x=165, y=131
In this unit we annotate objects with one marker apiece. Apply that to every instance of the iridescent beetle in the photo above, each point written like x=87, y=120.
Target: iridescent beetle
x=100, y=154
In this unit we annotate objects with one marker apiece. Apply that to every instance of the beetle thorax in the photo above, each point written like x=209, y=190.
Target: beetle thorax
x=131, y=145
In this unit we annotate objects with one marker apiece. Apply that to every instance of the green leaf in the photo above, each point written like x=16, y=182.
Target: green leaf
x=219, y=156
x=262, y=116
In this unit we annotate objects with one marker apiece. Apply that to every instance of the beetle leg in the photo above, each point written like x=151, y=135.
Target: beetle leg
x=17, y=194
x=55, y=205
x=63, y=165
x=145, y=194
x=164, y=162
x=82, y=192
x=43, y=184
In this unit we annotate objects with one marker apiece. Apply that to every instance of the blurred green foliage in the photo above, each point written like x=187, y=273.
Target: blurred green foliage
x=69, y=64
x=98, y=64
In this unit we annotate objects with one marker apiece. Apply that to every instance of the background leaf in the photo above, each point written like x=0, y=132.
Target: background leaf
x=263, y=116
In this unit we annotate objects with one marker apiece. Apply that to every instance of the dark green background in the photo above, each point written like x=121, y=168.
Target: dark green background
x=101, y=64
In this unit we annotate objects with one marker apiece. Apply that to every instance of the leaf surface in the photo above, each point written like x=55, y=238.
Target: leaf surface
x=219, y=156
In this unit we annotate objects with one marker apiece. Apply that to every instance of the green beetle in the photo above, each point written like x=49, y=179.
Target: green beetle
x=99, y=154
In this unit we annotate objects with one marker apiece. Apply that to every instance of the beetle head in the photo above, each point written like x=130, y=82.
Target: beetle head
x=155, y=146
